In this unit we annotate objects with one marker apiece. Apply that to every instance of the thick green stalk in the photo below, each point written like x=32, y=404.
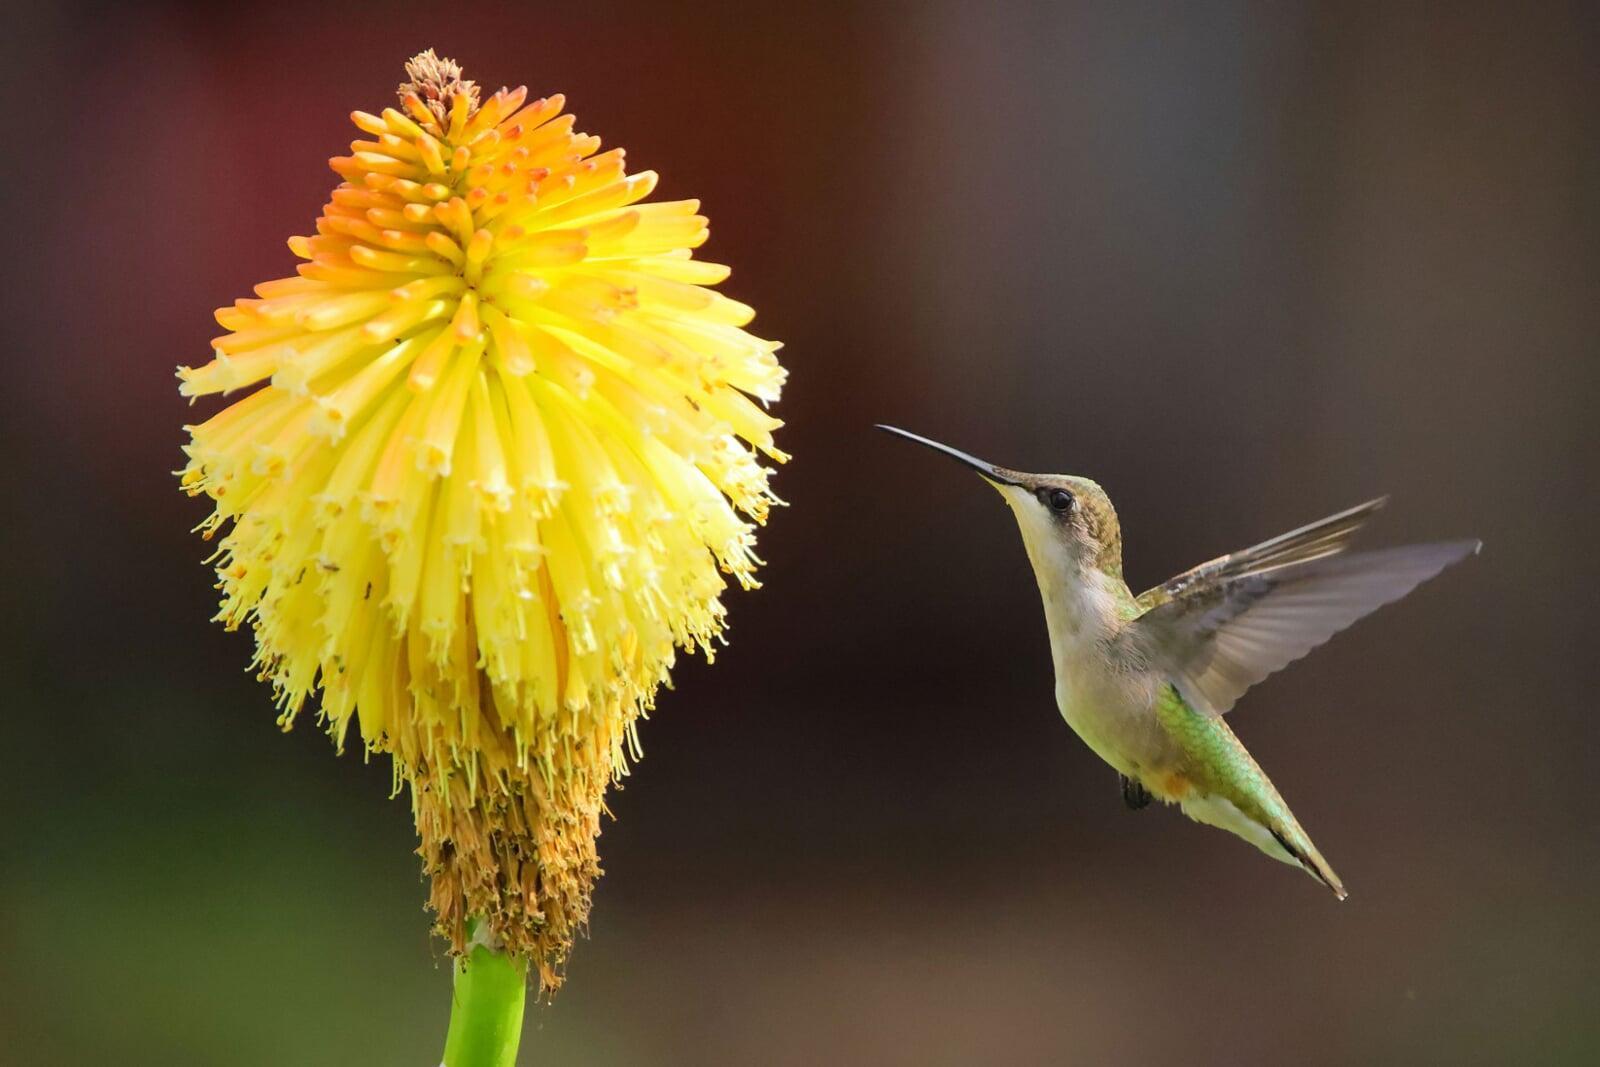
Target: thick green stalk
x=491, y=989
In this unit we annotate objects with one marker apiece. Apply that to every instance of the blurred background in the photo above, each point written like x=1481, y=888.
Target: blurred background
x=1243, y=264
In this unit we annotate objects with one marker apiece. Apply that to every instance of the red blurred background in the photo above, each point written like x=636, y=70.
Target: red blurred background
x=1243, y=264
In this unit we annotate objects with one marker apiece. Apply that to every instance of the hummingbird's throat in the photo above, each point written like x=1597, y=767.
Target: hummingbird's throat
x=1078, y=598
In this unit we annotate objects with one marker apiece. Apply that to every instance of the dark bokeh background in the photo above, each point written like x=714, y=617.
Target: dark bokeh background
x=1242, y=264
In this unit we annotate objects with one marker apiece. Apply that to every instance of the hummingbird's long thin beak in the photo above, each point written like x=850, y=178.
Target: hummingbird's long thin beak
x=988, y=470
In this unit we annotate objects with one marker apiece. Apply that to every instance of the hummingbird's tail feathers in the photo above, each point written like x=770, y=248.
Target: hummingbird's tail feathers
x=1266, y=822
x=1308, y=859
x=1315, y=540
x=1218, y=641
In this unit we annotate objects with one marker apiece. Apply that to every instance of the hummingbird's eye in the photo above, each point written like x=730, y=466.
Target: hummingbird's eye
x=1058, y=501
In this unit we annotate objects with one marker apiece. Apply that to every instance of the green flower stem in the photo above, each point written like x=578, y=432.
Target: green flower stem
x=491, y=989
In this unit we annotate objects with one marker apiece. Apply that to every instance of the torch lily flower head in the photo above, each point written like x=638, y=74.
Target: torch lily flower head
x=498, y=458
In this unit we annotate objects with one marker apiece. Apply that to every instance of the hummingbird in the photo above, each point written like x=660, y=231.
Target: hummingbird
x=1146, y=681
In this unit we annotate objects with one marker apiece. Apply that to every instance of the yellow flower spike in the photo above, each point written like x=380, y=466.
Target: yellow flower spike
x=498, y=460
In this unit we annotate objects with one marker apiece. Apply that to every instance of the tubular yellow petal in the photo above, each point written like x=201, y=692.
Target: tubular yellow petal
x=439, y=432
x=433, y=360
x=508, y=345
x=339, y=408
x=465, y=323
x=404, y=316
x=490, y=477
x=354, y=470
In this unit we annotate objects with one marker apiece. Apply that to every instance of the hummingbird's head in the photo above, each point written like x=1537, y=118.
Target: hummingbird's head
x=1067, y=522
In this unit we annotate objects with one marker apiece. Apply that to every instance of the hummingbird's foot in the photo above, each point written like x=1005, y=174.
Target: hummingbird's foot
x=1134, y=794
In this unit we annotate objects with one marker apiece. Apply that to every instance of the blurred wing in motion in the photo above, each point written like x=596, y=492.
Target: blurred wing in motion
x=1325, y=537
x=1222, y=627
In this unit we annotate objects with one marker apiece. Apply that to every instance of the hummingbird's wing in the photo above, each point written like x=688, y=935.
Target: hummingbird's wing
x=1325, y=537
x=1222, y=627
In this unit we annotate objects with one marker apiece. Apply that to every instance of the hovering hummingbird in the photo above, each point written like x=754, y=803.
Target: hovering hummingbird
x=1146, y=680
